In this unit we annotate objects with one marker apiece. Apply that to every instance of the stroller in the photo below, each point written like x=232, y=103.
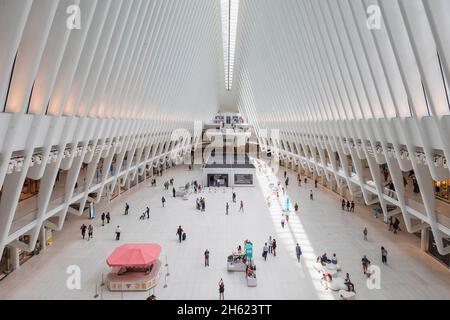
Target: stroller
x=142, y=217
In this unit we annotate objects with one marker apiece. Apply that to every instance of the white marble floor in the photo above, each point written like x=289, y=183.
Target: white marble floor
x=319, y=227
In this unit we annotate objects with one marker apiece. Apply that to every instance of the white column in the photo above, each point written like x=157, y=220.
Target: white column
x=15, y=261
x=424, y=239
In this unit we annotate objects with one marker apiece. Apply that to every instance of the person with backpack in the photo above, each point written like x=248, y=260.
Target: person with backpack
x=180, y=233
x=298, y=252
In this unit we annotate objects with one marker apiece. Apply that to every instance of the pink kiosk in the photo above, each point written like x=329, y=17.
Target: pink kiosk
x=135, y=267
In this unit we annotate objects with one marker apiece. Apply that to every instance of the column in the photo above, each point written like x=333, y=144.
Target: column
x=43, y=238
x=424, y=239
x=15, y=259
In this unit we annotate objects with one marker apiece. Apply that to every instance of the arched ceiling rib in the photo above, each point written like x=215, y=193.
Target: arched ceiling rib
x=146, y=59
x=301, y=61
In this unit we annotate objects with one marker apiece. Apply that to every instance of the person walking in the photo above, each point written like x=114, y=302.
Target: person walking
x=296, y=207
x=207, y=258
x=203, y=203
x=173, y=192
x=375, y=212
x=234, y=197
x=315, y=183
x=365, y=233
x=274, y=247
x=227, y=207
x=118, y=231
x=83, y=230
x=108, y=217
x=180, y=233
x=343, y=204
x=384, y=255
x=298, y=252
x=127, y=207
x=241, y=207
x=283, y=220
x=285, y=174
x=90, y=232
x=147, y=211
x=270, y=244
x=311, y=196
x=221, y=290
x=352, y=206
x=265, y=251
x=163, y=200
x=365, y=264
x=103, y=219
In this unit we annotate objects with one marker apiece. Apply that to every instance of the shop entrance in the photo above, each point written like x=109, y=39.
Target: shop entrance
x=217, y=180
x=432, y=249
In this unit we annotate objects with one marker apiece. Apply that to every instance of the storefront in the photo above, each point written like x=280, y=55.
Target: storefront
x=432, y=250
x=442, y=191
x=217, y=180
x=229, y=171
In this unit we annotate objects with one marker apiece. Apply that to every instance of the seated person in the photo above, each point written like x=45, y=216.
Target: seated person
x=334, y=259
x=324, y=259
x=239, y=249
x=350, y=287
x=327, y=277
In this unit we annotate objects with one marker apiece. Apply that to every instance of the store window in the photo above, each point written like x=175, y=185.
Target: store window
x=432, y=249
x=243, y=179
x=441, y=189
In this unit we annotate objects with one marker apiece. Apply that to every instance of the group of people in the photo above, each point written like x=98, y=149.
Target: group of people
x=90, y=230
x=348, y=206
x=270, y=247
x=394, y=225
x=323, y=259
x=200, y=204
x=168, y=183
x=106, y=217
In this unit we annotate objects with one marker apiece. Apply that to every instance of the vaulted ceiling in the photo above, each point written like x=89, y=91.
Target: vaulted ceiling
x=296, y=60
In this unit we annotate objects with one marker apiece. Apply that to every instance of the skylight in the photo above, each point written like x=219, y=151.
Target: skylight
x=229, y=11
